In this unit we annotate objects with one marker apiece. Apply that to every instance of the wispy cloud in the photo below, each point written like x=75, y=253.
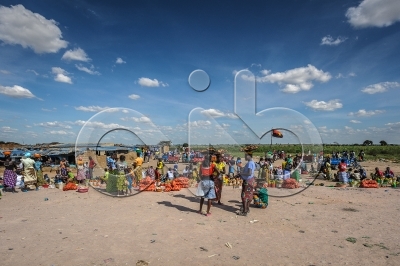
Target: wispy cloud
x=380, y=87
x=90, y=71
x=365, y=113
x=330, y=41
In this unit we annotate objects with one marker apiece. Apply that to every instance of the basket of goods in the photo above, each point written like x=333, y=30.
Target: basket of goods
x=290, y=183
x=83, y=189
x=249, y=148
x=70, y=186
x=367, y=183
x=7, y=153
x=158, y=189
x=147, y=184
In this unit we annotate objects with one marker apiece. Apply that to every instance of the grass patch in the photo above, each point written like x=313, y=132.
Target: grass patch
x=351, y=239
x=350, y=210
x=381, y=246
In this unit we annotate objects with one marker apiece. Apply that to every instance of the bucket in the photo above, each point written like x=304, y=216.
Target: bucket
x=61, y=185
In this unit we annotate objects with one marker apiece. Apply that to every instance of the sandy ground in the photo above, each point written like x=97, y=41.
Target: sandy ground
x=310, y=228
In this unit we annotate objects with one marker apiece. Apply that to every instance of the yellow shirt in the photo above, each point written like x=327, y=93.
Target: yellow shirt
x=219, y=166
x=139, y=161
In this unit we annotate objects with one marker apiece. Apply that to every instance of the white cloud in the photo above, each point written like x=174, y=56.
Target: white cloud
x=297, y=79
x=134, y=96
x=363, y=112
x=91, y=108
x=6, y=129
x=125, y=111
x=53, y=124
x=96, y=124
x=77, y=54
x=87, y=70
x=355, y=121
x=328, y=40
x=324, y=106
x=142, y=119
x=146, y=82
x=374, y=13
x=19, y=25
x=218, y=113
x=61, y=75
x=199, y=123
x=58, y=132
x=120, y=61
x=16, y=92
x=380, y=87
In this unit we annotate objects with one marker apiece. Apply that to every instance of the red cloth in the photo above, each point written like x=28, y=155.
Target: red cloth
x=342, y=167
x=207, y=171
x=91, y=164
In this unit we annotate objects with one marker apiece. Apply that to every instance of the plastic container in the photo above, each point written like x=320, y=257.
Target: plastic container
x=60, y=186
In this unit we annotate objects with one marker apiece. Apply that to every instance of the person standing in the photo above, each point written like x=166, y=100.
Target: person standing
x=92, y=165
x=80, y=174
x=10, y=177
x=247, y=175
x=39, y=172
x=138, y=167
x=122, y=182
x=29, y=172
x=343, y=175
x=219, y=171
x=205, y=188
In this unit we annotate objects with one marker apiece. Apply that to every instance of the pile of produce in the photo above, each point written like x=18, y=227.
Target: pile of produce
x=168, y=187
x=175, y=185
x=290, y=183
x=249, y=148
x=182, y=182
x=367, y=183
x=147, y=184
x=70, y=186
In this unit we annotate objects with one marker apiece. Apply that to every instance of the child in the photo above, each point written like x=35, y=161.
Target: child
x=231, y=170
x=58, y=178
x=195, y=174
x=261, y=196
x=170, y=174
x=129, y=178
x=70, y=176
x=105, y=178
x=238, y=165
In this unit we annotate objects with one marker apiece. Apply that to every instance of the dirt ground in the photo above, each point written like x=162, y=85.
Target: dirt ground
x=315, y=227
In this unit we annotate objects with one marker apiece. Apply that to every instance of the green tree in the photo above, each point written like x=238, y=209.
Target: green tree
x=368, y=143
x=383, y=143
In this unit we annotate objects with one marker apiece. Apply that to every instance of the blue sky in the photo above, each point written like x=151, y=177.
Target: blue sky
x=333, y=63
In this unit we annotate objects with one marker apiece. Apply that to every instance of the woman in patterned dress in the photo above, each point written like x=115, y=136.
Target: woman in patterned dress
x=10, y=177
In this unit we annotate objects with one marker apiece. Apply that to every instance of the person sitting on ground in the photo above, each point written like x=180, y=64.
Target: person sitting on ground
x=185, y=172
x=261, y=196
x=70, y=176
x=151, y=173
x=377, y=174
x=363, y=174
x=170, y=174
x=388, y=173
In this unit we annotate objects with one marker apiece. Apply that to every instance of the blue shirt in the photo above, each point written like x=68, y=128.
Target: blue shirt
x=37, y=165
x=249, y=165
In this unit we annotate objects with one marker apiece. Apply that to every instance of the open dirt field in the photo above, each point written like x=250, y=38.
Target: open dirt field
x=316, y=227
